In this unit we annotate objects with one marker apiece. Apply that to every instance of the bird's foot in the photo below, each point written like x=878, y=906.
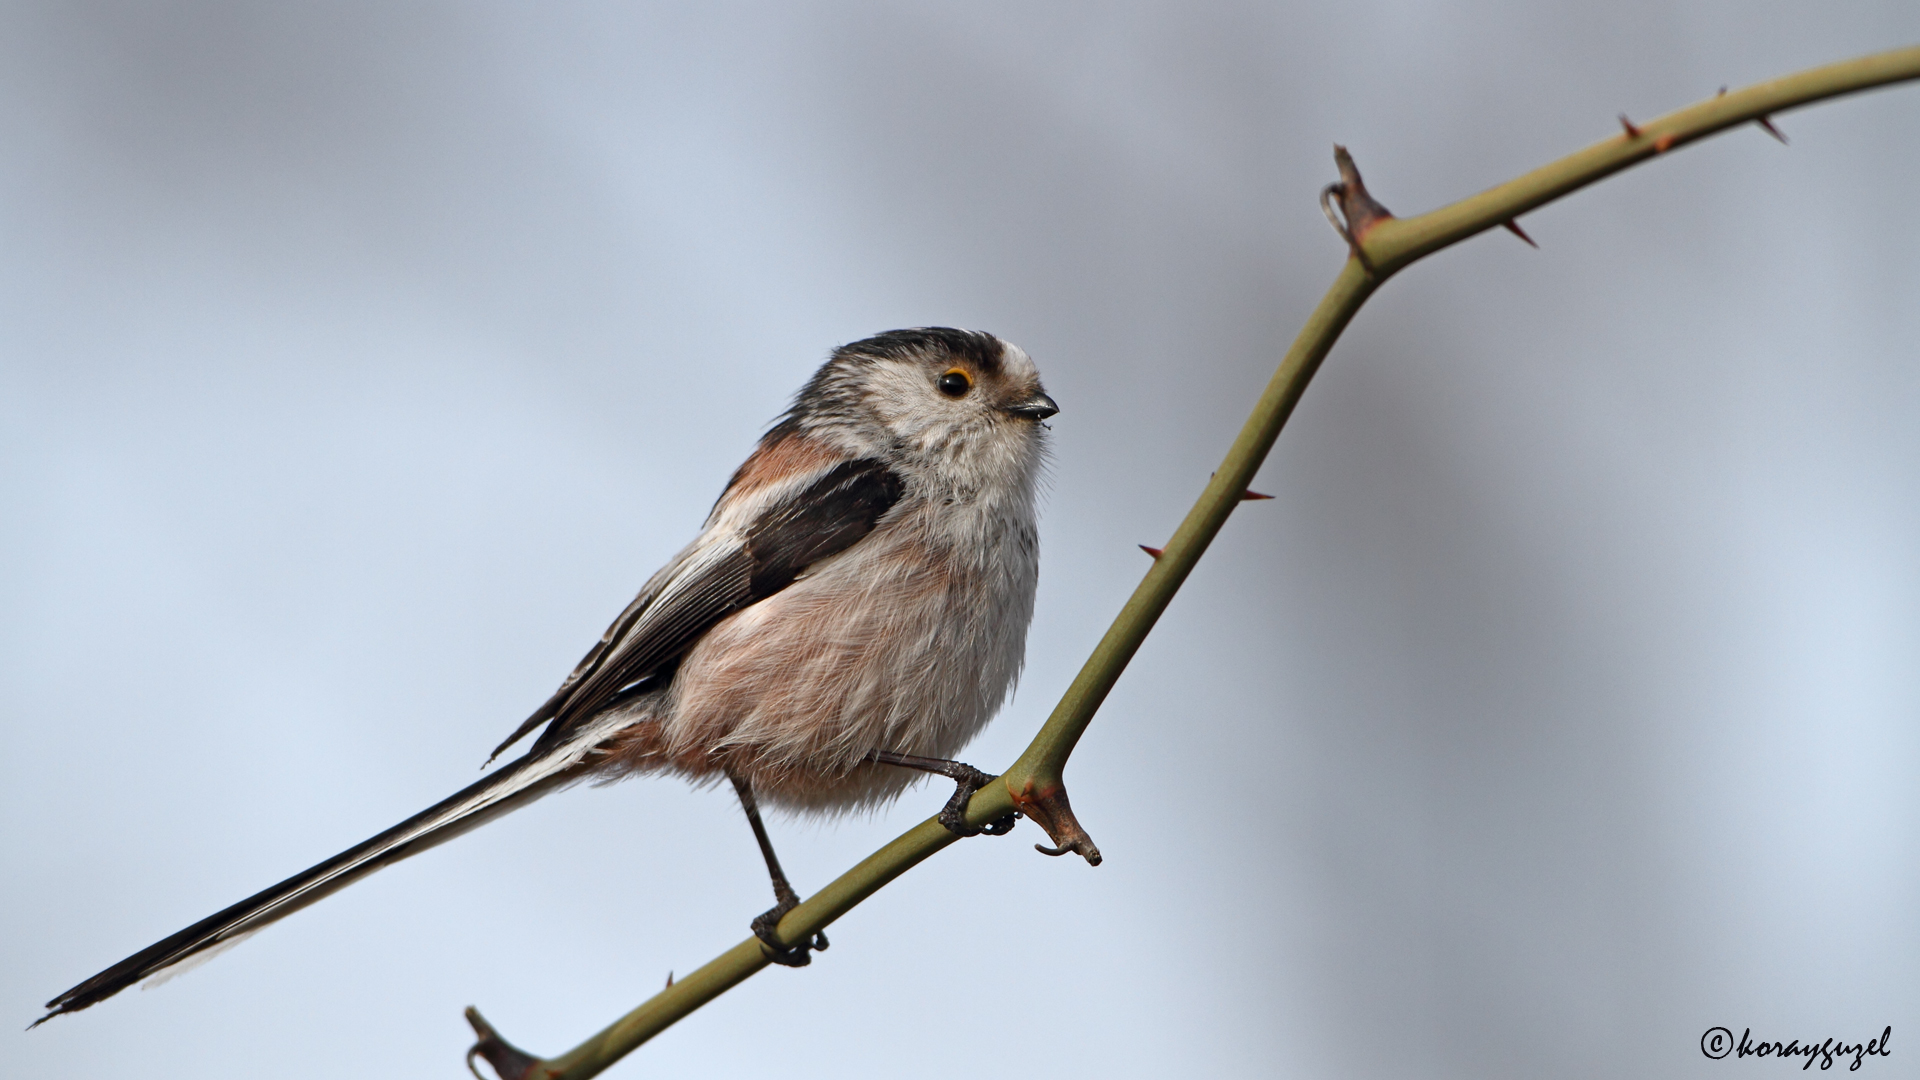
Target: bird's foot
x=967, y=780
x=766, y=927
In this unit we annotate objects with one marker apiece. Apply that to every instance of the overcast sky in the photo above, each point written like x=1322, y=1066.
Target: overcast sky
x=358, y=361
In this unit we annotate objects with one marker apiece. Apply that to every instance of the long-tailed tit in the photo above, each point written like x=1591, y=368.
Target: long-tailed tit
x=855, y=609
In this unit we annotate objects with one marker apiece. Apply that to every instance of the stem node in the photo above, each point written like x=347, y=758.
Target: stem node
x=1048, y=807
x=509, y=1061
x=1360, y=209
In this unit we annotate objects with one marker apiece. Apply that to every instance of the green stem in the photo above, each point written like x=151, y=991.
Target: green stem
x=1046, y=756
x=1390, y=246
x=737, y=964
x=1395, y=243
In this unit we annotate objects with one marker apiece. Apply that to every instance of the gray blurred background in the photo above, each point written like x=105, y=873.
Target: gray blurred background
x=358, y=361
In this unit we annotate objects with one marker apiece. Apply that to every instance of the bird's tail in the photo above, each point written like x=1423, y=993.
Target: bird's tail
x=514, y=786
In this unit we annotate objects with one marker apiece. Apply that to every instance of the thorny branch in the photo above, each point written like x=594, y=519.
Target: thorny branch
x=1380, y=245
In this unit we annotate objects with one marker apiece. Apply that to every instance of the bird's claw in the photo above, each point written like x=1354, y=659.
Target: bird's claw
x=954, y=814
x=766, y=927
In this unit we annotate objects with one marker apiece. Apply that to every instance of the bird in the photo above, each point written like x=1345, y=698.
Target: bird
x=852, y=613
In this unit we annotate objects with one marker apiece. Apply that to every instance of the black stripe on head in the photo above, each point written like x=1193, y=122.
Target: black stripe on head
x=834, y=391
x=981, y=350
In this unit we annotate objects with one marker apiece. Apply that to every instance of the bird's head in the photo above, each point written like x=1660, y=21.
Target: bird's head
x=957, y=404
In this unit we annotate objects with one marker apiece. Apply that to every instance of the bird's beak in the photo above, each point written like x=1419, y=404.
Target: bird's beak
x=1037, y=407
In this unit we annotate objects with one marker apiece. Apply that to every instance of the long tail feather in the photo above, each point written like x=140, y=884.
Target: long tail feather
x=514, y=786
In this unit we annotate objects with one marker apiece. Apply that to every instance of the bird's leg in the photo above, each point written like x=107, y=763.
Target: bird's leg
x=766, y=927
x=966, y=780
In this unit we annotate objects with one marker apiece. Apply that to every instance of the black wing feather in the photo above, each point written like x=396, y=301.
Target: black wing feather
x=722, y=589
x=829, y=516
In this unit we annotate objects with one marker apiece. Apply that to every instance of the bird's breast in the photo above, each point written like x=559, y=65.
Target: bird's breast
x=902, y=642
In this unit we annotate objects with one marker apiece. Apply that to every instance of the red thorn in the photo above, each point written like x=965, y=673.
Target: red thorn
x=1632, y=132
x=669, y=980
x=1722, y=93
x=1155, y=552
x=1771, y=130
x=1514, y=228
x=1249, y=495
x=1661, y=143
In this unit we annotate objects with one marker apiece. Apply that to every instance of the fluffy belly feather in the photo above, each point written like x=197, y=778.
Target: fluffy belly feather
x=883, y=647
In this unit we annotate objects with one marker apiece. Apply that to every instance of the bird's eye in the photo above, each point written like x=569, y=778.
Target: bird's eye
x=955, y=383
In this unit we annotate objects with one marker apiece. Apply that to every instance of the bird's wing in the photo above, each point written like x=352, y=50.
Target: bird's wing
x=756, y=546
x=729, y=568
